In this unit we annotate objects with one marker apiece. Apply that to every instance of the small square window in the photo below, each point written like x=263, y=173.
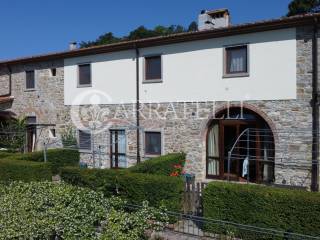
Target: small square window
x=31, y=120
x=153, y=143
x=30, y=80
x=84, y=75
x=53, y=72
x=236, y=60
x=84, y=140
x=153, y=68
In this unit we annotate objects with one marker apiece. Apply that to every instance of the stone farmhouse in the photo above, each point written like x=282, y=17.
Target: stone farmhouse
x=240, y=100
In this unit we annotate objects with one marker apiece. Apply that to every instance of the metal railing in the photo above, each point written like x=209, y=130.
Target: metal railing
x=184, y=226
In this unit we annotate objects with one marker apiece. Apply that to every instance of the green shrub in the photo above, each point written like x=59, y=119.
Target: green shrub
x=57, y=157
x=45, y=210
x=14, y=170
x=261, y=206
x=60, y=211
x=163, y=165
x=122, y=224
x=134, y=187
x=4, y=154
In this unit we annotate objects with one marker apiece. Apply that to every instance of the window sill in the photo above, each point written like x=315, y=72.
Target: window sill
x=30, y=90
x=236, y=75
x=152, y=155
x=84, y=86
x=85, y=151
x=152, y=81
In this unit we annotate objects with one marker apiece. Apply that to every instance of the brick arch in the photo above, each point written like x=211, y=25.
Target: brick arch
x=206, y=125
x=247, y=106
x=252, y=108
x=32, y=112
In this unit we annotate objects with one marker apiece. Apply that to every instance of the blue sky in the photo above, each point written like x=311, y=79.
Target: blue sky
x=30, y=27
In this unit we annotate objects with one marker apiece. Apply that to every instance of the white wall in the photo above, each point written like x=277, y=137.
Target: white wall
x=113, y=74
x=193, y=71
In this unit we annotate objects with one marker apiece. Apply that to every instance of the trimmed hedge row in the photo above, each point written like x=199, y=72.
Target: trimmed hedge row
x=261, y=206
x=31, y=166
x=4, y=154
x=57, y=157
x=17, y=170
x=163, y=165
x=133, y=187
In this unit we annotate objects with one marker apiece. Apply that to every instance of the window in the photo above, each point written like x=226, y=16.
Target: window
x=52, y=133
x=53, y=72
x=84, y=75
x=153, y=68
x=236, y=60
x=153, y=143
x=30, y=81
x=213, y=157
x=84, y=140
x=31, y=120
x=31, y=133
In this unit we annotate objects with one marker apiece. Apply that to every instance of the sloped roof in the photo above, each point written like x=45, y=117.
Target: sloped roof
x=273, y=24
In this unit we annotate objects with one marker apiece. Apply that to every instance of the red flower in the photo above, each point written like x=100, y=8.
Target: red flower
x=177, y=166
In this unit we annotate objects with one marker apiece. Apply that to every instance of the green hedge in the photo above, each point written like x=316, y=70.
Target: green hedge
x=14, y=170
x=133, y=187
x=261, y=206
x=57, y=157
x=4, y=154
x=163, y=165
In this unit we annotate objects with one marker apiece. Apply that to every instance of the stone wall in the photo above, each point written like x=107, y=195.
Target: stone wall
x=45, y=101
x=4, y=81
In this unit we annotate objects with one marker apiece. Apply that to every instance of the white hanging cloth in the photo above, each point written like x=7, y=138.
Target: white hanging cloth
x=245, y=167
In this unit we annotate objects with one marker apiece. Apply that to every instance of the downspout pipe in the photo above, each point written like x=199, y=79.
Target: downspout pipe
x=10, y=82
x=138, y=103
x=315, y=110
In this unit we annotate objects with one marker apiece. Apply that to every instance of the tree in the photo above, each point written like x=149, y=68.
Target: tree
x=193, y=27
x=12, y=135
x=140, y=33
x=106, y=38
x=297, y=7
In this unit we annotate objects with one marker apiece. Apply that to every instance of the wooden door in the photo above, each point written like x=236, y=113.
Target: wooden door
x=118, y=149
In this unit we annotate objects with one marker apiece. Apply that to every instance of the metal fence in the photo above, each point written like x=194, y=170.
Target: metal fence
x=216, y=229
x=184, y=226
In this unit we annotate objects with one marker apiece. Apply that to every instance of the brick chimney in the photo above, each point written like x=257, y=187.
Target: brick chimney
x=214, y=19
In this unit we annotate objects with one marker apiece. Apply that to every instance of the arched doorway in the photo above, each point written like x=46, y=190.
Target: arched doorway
x=251, y=140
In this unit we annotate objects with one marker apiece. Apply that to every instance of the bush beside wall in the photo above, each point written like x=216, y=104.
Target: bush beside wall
x=269, y=207
x=4, y=154
x=163, y=165
x=133, y=187
x=57, y=157
x=14, y=170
